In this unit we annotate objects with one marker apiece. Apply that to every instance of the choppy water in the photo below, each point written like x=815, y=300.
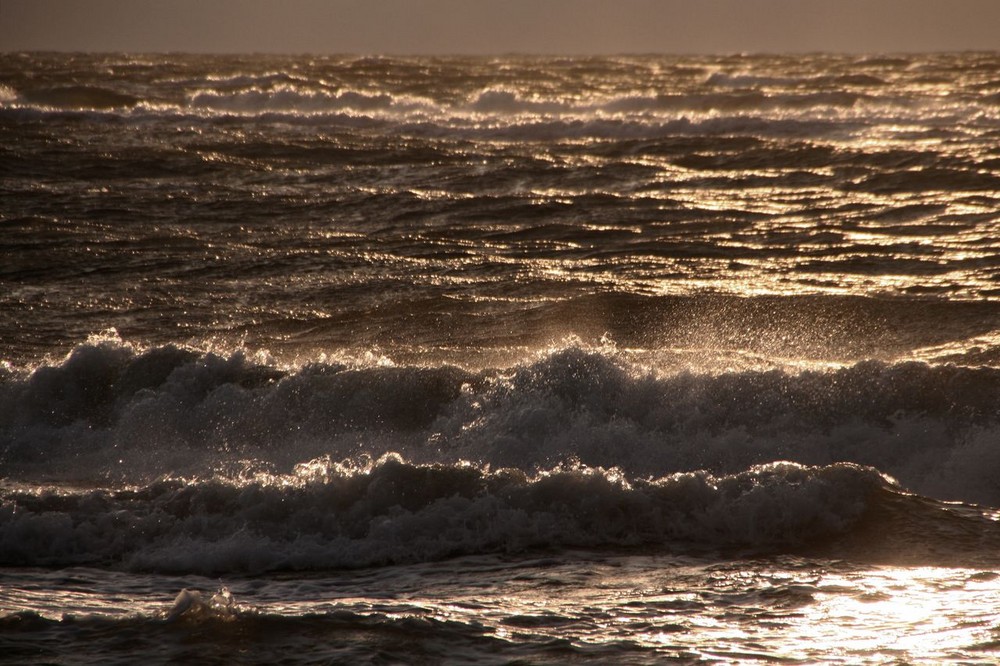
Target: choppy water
x=625, y=360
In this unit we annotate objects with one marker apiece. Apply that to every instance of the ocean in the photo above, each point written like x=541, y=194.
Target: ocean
x=512, y=360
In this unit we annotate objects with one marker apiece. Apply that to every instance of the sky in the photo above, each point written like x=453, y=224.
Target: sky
x=500, y=26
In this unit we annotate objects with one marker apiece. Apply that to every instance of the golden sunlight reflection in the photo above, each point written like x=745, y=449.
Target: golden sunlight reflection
x=925, y=610
x=872, y=615
x=927, y=613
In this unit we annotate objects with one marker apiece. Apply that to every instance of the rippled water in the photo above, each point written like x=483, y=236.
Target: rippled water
x=633, y=609
x=631, y=360
x=429, y=204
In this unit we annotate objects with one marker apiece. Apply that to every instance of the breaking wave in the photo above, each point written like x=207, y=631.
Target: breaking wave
x=112, y=411
x=331, y=515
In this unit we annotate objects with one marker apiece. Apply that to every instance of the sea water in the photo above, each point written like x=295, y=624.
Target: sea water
x=499, y=360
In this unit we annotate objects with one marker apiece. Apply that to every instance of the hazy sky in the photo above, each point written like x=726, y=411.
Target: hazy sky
x=499, y=26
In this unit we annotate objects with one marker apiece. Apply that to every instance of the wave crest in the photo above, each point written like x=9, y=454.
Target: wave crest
x=393, y=511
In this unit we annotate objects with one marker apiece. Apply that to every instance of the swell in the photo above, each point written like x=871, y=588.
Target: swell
x=79, y=97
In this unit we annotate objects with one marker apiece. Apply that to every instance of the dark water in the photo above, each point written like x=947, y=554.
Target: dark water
x=629, y=360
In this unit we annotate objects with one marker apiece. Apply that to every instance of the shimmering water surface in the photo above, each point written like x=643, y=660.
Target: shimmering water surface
x=534, y=360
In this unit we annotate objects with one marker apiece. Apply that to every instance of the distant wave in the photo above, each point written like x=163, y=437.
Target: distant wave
x=498, y=103
x=294, y=96
x=294, y=100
